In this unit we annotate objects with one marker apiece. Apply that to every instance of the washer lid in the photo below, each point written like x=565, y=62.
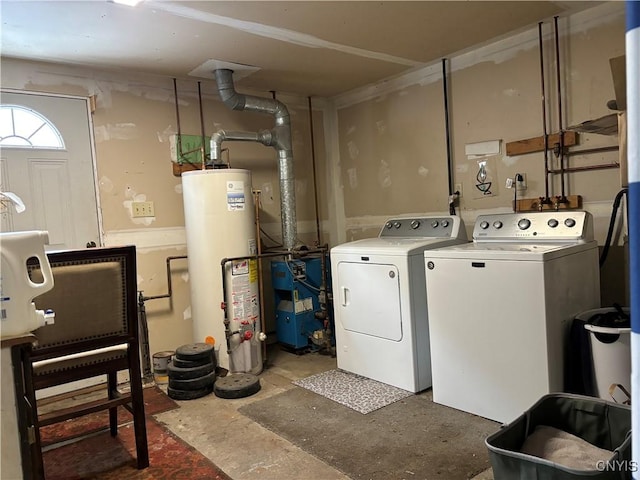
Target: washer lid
x=392, y=246
x=509, y=251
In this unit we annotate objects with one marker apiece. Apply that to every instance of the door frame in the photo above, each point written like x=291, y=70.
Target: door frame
x=89, y=101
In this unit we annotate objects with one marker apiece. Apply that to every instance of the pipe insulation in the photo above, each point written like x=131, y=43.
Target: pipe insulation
x=279, y=137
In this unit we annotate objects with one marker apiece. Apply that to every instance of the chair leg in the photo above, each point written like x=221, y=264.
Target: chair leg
x=30, y=449
x=112, y=385
x=137, y=405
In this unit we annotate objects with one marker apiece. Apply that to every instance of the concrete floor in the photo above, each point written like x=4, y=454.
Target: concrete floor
x=244, y=449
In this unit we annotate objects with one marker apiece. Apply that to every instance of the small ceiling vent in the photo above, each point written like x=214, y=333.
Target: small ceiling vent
x=207, y=68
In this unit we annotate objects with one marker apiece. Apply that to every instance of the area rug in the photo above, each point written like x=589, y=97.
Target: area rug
x=413, y=438
x=155, y=401
x=103, y=457
x=354, y=391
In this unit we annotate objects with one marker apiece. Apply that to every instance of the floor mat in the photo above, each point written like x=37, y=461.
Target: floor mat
x=155, y=401
x=354, y=391
x=413, y=438
x=103, y=457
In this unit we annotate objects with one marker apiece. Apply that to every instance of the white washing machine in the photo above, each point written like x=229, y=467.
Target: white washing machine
x=380, y=309
x=500, y=309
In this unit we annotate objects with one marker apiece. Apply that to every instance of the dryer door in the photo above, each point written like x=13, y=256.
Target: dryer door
x=368, y=299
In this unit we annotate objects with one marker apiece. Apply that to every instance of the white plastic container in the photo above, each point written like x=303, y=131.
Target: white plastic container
x=611, y=357
x=18, y=314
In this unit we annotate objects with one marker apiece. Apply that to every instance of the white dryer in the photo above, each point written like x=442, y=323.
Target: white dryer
x=500, y=309
x=380, y=308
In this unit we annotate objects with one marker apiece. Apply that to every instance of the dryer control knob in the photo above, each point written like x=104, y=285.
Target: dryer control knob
x=445, y=223
x=524, y=223
x=415, y=224
x=435, y=223
x=388, y=224
x=570, y=222
x=497, y=224
x=397, y=224
x=553, y=223
x=484, y=225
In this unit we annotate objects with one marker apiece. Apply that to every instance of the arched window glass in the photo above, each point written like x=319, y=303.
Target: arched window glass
x=23, y=127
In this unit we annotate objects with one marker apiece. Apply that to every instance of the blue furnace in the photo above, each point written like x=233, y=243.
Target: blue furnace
x=296, y=285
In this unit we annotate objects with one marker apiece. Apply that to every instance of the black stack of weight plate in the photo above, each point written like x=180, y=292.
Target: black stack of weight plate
x=192, y=371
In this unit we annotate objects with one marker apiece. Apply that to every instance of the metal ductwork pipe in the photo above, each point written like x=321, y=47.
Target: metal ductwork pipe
x=279, y=138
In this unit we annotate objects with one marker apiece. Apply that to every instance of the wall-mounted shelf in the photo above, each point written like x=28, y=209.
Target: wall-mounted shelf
x=536, y=144
x=180, y=168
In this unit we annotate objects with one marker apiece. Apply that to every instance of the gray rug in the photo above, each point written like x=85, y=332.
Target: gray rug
x=354, y=391
x=412, y=439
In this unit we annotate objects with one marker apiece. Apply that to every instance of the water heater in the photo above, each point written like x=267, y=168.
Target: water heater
x=220, y=224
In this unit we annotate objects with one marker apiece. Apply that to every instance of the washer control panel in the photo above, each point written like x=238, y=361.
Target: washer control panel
x=421, y=227
x=576, y=225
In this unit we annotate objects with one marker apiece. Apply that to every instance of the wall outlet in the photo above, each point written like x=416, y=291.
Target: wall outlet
x=458, y=188
x=142, y=209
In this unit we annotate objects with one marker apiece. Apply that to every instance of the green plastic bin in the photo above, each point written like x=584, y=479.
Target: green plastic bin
x=603, y=424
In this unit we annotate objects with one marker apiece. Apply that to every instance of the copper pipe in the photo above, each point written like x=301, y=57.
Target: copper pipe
x=282, y=253
x=202, y=146
x=256, y=203
x=610, y=148
x=544, y=119
x=445, y=94
x=142, y=316
x=175, y=93
x=313, y=163
x=223, y=263
x=169, y=286
x=563, y=197
x=585, y=168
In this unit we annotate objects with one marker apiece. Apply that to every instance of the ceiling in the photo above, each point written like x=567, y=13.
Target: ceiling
x=308, y=48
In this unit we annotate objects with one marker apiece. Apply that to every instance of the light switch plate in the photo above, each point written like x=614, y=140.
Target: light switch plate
x=142, y=209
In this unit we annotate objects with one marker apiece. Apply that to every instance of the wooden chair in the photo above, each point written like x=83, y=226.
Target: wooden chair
x=95, y=333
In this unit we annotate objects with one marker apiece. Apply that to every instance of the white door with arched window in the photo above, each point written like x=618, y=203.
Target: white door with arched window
x=46, y=159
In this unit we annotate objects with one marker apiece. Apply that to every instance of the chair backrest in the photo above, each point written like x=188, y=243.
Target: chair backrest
x=94, y=300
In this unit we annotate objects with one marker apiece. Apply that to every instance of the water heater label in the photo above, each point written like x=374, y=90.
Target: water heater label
x=244, y=300
x=253, y=271
x=240, y=267
x=235, y=195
